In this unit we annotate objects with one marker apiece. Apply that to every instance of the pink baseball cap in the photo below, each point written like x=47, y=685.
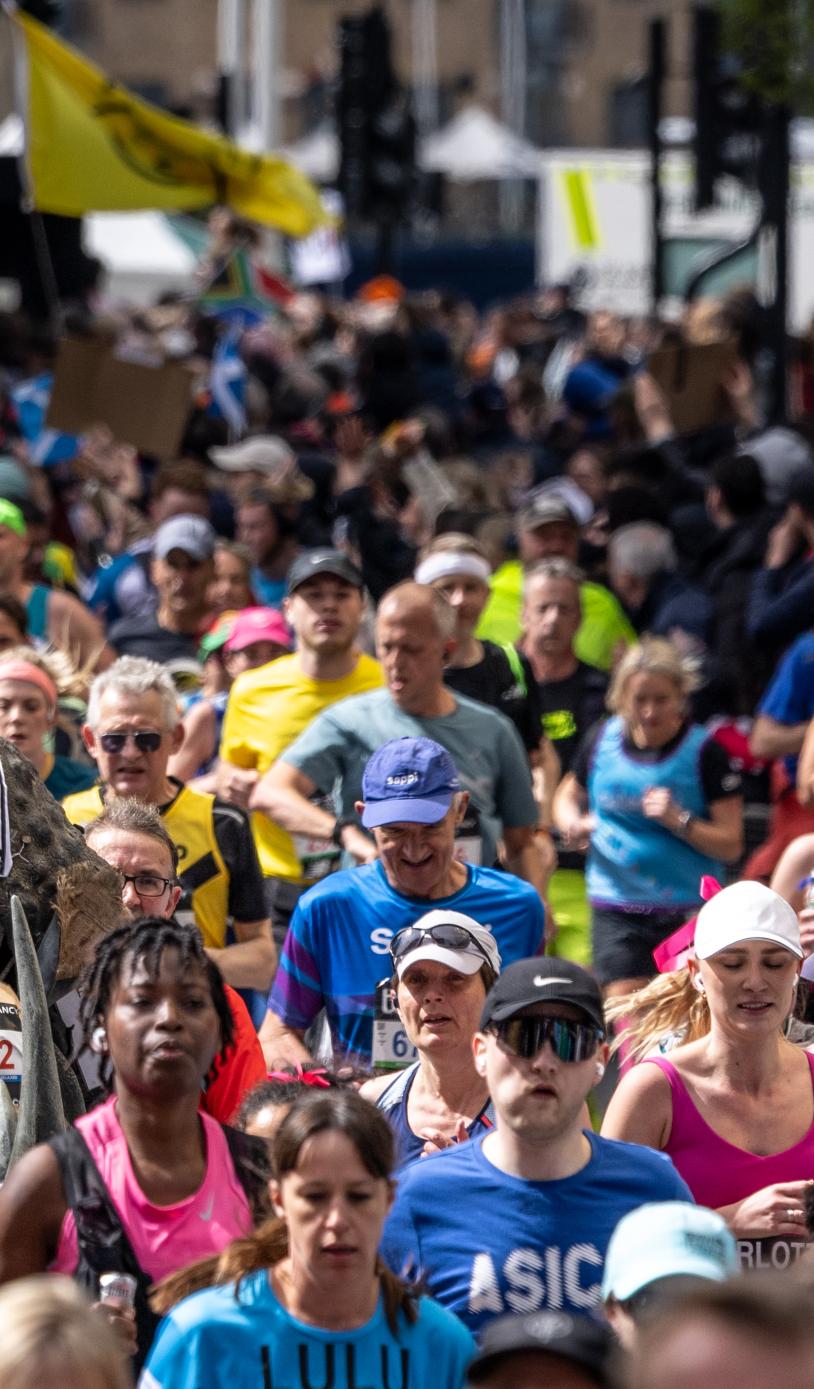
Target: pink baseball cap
x=258, y=624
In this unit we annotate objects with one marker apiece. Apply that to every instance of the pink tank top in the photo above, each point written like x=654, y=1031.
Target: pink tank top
x=164, y=1238
x=718, y=1173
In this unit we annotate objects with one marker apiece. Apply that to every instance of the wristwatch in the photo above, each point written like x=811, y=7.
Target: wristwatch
x=342, y=823
x=685, y=819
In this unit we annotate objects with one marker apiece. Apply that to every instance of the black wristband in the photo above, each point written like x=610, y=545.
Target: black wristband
x=342, y=823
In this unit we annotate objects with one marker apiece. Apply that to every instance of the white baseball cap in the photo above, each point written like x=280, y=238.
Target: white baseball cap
x=746, y=911
x=424, y=941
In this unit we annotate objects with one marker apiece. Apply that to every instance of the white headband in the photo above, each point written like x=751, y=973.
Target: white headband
x=447, y=562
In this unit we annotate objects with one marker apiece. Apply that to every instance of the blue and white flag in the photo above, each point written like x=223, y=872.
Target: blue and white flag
x=227, y=381
x=45, y=446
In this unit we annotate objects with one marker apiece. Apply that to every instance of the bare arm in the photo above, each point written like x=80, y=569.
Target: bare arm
x=32, y=1207
x=530, y=856
x=772, y=739
x=251, y=962
x=200, y=737
x=570, y=810
x=283, y=794
x=721, y=836
x=545, y=776
x=805, y=768
x=796, y=862
x=641, y=1109
x=282, y=1046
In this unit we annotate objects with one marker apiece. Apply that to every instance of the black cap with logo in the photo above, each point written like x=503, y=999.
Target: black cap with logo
x=581, y=1340
x=312, y=562
x=543, y=979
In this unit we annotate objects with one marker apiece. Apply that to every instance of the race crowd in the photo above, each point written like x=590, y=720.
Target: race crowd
x=447, y=712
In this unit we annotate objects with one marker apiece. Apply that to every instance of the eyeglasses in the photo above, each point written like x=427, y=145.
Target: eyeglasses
x=451, y=937
x=145, y=739
x=570, y=1041
x=146, y=884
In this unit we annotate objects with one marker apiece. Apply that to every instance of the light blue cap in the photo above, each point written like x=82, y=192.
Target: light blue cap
x=666, y=1239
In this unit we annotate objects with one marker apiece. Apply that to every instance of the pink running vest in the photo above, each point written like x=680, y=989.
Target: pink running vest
x=164, y=1238
x=718, y=1173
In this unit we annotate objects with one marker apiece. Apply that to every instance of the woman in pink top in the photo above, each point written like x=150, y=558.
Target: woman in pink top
x=145, y=1183
x=734, y=1103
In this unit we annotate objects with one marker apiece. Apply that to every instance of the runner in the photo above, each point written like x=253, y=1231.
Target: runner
x=733, y=1102
x=444, y=965
x=145, y=1183
x=308, y=1291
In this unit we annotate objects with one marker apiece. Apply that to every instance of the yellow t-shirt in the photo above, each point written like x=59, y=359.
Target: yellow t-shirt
x=268, y=708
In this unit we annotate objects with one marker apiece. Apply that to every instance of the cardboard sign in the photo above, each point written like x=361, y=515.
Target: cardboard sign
x=143, y=405
x=690, y=378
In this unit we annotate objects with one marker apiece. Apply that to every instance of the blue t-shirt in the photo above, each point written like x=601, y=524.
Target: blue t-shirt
x=487, y=1243
x=214, y=1340
x=484, y=745
x=790, y=696
x=336, y=950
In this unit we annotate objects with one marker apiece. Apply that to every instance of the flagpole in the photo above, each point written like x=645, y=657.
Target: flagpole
x=267, y=68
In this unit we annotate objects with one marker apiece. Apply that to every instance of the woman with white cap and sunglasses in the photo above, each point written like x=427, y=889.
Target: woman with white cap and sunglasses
x=444, y=965
x=733, y=1103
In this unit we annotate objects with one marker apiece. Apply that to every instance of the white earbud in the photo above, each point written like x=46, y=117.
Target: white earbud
x=698, y=984
x=600, y=1070
x=98, y=1040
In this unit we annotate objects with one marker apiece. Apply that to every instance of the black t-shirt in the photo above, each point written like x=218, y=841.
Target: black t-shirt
x=494, y=682
x=570, y=707
x=234, y=839
x=142, y=636
x=719, y=778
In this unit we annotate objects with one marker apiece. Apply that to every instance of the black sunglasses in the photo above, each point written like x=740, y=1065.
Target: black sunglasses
x=570, y=1041
x=145, y=740
x=451, y=937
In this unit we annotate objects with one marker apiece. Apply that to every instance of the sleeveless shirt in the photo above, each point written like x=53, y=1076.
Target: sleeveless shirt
x=393, y=1104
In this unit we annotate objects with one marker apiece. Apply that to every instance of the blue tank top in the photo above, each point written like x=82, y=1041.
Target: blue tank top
x=393, y=1104
x=218, y=703
x=634, y=862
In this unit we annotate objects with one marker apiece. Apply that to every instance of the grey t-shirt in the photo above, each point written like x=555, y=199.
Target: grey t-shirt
x=483, y=744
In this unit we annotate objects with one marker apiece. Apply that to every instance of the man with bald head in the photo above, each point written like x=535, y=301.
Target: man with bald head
x=414, y=640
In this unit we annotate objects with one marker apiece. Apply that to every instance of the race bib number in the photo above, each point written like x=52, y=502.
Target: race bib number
x=11, y=1047
x=392, y=1049
x=318, y=857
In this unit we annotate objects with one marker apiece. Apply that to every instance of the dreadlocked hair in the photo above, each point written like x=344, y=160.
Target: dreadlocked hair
x=144, y=942
x=668, y=1005
x=314, y=1112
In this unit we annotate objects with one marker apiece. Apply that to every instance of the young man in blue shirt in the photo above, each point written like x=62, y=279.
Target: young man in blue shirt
x=520, y=1220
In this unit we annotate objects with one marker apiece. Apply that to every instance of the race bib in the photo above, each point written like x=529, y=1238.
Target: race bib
x=392, y=1049
x=11, y=1047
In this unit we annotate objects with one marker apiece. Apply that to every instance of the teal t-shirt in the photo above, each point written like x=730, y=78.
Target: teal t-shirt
x=484, y=745
x=215, y=1340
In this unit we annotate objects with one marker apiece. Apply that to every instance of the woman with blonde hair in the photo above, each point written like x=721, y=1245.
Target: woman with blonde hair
x=658, y=804
x=732, y=1100
x=306, y=1299
x=52, y=1337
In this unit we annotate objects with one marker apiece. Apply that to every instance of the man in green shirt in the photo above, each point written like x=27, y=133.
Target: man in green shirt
x=546, y=529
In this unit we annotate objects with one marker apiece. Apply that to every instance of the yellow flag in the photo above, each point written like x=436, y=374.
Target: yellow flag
x=93, y=147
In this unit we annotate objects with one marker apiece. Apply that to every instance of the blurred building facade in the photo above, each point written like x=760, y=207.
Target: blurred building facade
x=585, y=59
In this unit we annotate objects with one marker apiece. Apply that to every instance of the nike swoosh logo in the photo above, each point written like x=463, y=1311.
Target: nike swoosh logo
x=542, y=983
x=207, y=1214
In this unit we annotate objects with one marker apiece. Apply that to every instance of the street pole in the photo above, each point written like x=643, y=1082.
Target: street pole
x=657, y=44
x=230, y=64
x=774, y=189
x=267, y=68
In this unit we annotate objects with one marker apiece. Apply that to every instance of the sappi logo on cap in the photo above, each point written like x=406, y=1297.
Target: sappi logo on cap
x=401, y=779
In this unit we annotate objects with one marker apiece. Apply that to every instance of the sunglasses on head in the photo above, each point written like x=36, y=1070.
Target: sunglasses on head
x=569, y=1041
x=145, y=739
x=451, y=937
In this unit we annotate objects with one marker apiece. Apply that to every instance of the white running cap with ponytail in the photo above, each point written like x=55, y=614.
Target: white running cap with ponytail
x=745, y=911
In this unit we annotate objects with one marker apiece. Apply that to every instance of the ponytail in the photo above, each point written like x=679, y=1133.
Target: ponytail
x=667, y=1006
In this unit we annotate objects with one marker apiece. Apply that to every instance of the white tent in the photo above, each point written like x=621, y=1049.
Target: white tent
x=141, y=254
x=474, y=145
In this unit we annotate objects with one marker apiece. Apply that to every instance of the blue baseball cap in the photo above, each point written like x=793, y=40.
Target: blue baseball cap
x=667, y=1239
x=412, y=779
